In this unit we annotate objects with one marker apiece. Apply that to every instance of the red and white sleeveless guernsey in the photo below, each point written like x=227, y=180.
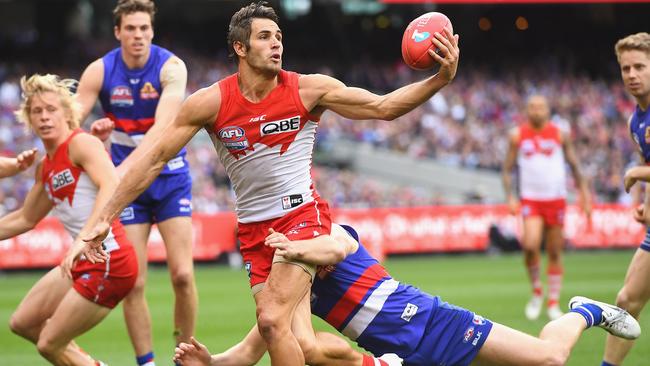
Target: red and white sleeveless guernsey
x=542, y=173
x=266, y=149
x=73, y=194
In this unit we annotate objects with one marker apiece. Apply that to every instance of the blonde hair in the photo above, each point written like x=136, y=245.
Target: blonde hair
x=639, y=42
x=39, y=84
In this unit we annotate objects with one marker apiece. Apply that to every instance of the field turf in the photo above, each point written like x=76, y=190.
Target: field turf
x=493, y=286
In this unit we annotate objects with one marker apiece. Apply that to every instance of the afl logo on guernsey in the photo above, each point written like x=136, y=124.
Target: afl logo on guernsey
x=121, y=96
x=233, y=138
x=148, y=92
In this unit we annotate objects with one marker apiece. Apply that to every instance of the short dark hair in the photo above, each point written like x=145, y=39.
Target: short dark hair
x=125, y=7
x=239, y=29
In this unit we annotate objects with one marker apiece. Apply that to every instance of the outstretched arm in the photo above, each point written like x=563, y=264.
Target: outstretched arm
x=247, y=352
x=88, y=152
x=197, y=110
x=34, y=209
x=320, y=92
x=173, y=78
x=13, y=166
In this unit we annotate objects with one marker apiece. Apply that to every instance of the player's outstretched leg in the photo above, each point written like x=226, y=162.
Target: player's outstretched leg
x=506, y=346
x=613, y=319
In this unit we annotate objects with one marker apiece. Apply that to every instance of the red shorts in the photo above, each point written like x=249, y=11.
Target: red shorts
x=106, y=284
x=552, y=212
x=306, y=222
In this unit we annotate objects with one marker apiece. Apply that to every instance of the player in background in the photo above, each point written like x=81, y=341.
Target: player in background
x=141, y=87
x=13, y=166
x=633, y=54
x=361, y=300
x=74, y=180
x=263, y=122
x=541, y=149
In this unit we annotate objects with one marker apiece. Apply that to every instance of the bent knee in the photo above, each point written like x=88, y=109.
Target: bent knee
x=47, y=348
x=183, y=279
x=631, y=302
x=555, y=357
x=272, y=325
x=20, y=326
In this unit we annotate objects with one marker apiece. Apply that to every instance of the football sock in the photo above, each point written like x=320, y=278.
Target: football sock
x=533, y=274
x=592, y=314
x=372, y=361
x=554, y=285
x=146, y=360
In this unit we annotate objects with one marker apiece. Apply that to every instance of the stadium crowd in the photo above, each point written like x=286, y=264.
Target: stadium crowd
x=465, y=125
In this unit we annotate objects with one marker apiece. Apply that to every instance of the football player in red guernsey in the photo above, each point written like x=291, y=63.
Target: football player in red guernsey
x=74, y=180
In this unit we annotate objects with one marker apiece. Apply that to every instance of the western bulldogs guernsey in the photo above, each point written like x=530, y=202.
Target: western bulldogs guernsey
x=266, y=148
x=129, y=97
x=360, y=299
x=640, y=131
x=73, y=194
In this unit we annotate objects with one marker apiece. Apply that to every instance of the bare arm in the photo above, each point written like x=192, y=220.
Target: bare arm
x=200, y=108
x=321, y=250
x=173, y=78
x=90, y=85
x=320, y=92
x=8, y=167
x=247, y=352
x=572, y=160
x=12, y=166
x=34, y=209
x=87, y=152
x=581, y=182
x=509, y=163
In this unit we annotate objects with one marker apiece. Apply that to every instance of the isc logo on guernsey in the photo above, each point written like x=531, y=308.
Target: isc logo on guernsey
x=283, y=125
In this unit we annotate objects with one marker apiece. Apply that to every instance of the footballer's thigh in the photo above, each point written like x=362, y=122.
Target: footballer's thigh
x=39, y=304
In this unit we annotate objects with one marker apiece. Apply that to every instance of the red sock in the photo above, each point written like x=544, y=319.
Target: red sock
x=536, y=282
x=554, y=275
x=372, y=361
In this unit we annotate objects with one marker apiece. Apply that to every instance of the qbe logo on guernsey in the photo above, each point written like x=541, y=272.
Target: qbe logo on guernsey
x=62, y=179
x=284, y=125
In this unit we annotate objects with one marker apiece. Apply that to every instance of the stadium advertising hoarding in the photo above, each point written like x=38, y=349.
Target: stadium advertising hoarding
x=383, y=231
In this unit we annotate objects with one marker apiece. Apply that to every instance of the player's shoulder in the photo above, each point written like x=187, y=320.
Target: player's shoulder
x=95, y=68
x=318, y=81
x=204, y=104
x=515, y=132
x=174, y=62
x=83, y=140
x=83, y=146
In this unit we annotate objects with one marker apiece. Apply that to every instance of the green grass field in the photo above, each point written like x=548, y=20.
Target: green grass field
x=493, y=286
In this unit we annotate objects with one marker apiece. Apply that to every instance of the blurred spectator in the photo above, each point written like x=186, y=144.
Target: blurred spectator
x=465, y=125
